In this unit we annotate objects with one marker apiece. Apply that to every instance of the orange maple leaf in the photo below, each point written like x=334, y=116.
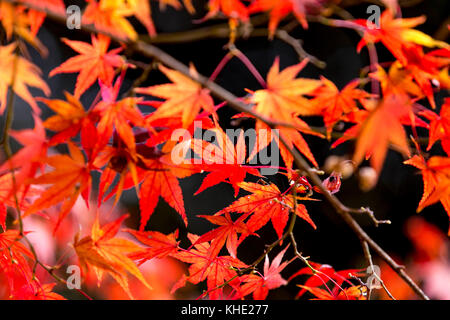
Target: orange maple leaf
x=436, y=181
x=278, y=10
x=93, y=62
x=185, y=97
x=117, y=114
x=395, y=33
x=283, y=100
x=215, y=271
x=21, y=72
x=37, y=17
x=396, y=81
x=381, y=128
x=334, y=103
x=111, y=16
x=424, y=68
x=27, y=159
x=70, y=178
x=233, y=9
x=267, y=202
x=104, y=252
x=439, y=126
x=70, y=119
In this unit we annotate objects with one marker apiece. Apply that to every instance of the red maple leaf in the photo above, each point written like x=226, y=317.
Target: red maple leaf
x=158, y=245
x=266, y=203
x=224, y=160
x=260, y=285
x=227, y=233
x=439, y=126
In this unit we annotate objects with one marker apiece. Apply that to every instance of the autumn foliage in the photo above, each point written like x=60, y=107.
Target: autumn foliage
x=66, y=180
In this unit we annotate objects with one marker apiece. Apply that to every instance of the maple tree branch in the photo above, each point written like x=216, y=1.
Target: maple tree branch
x=344, y=212
x=368, y=256
x=296, y=44
x=153, y=52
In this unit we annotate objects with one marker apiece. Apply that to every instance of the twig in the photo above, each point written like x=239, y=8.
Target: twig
x=296, y=44
x=368, y=256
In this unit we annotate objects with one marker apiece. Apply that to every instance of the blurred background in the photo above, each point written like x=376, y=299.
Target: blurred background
x=417, y=240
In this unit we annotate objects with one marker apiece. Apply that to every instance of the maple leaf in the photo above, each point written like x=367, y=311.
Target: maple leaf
x=278, y=10
x=283, y=101
x=184, y=97
x=397, y=80
x=9, y=190
x=70, y=178
x=70, y=119
x=283, y=96
x=167, y=128
x=227, y=233
x=215, y=271
x=224, y=160
x=161, y=180
x=3, y=214
x=104, y=252
x=119, y=161
x=93, y=62
x=21, y=72
x=117, y=114
x=37, y=17
x=439, y=126
x=266, y=202
x=142, y=11
x=360, y=117
x=111, y=16
x=260, y=285
x=28, y=158
x=231, y=8
x=333, y=103
x=321, y=276
x=424, y=69
x=358, y=292
x=383, y=127
x=158, y=245
x=16, y=19
x=396, y=33
x=436, y=181
x=45, y=293
x=14, y=258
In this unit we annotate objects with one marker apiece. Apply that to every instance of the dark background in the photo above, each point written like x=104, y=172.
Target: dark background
x=399, y=188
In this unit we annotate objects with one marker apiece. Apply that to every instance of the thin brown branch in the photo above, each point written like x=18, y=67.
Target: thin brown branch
x=368, y=256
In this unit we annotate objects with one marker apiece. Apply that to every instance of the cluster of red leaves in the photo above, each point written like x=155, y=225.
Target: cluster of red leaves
x=133, y=149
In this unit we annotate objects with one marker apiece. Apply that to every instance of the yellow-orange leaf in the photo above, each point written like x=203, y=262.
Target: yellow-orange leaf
x=382, y=128
x=105, y=253
x=185, y=97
